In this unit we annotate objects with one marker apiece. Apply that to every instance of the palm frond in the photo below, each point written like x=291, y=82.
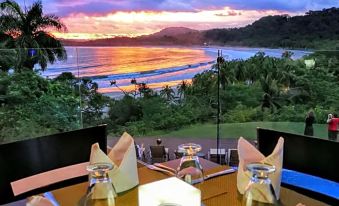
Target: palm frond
x=50, y=42
x=9, y=24
x=51, y=21
x=12, y=8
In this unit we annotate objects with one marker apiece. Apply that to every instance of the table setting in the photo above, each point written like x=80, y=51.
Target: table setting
x=119, y=179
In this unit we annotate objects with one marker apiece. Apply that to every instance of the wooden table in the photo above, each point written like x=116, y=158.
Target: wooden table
x=217, y=191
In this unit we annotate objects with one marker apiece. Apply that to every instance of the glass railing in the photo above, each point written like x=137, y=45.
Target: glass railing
x=166, y=91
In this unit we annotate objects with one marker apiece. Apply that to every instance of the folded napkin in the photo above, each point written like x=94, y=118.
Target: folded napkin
x=39, y=201
x=123, y=158
x=248, y=154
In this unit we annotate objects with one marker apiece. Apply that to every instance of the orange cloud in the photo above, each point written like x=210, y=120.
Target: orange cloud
x=136, y=23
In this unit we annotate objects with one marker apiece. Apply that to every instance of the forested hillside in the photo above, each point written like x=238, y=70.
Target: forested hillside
x=316, y=29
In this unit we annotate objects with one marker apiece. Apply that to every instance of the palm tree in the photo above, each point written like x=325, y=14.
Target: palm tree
x=7, y=57
x=144, y=90
x=28, y=29
x=240, y=71
x=167, y=92
x=227, y=76
x=271, y=98
x=182, y=87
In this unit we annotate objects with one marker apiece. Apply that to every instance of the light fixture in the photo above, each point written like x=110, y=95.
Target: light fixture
x=309, y=63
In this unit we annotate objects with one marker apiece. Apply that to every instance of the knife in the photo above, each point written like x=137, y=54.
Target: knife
x=153, y=167
x=223, y=172
x=165, y=167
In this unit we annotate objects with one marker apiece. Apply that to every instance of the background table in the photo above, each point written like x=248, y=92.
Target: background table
x=217, y=191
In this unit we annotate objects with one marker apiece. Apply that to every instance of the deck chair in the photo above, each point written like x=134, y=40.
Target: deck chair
x=26, y=158
x=178, y=154
x=212, y=155
x=158, y=154
x=233, y=158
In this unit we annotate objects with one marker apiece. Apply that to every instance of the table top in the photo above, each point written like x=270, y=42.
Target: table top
x=215, y=191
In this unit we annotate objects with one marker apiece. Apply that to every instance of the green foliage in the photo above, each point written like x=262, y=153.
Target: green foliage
x=240, y=114
x=261, y=88
x=125, y=110
x=33, y=106
x=316, y=29
x=26, y=31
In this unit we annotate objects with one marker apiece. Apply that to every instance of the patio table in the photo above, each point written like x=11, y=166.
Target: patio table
x=217, y=191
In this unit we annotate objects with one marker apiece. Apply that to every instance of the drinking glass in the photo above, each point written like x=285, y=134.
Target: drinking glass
x=259, y=191
x=190, y=169
x=101, y=191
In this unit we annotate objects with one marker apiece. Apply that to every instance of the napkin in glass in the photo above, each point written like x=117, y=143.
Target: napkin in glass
x=39, y=201
x=124, y=175
x=248, y=154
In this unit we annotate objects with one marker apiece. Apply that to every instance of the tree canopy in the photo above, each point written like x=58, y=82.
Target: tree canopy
x=316, y=29
x=26, y=31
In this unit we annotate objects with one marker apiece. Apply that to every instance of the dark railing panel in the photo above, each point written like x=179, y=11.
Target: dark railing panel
x=311, y=155
x=33, y=156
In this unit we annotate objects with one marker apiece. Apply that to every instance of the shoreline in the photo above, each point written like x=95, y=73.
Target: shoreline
x=193, y=46
x=160, y=76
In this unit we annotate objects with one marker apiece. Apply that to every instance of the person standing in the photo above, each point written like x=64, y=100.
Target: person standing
x=309, y=124
x=333, y=122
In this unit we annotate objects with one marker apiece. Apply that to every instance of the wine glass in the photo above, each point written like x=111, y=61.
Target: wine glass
x=259, y=191
x=100, y=191
x=190, y=169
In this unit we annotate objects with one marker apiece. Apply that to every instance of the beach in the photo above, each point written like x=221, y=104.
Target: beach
x=155, y=66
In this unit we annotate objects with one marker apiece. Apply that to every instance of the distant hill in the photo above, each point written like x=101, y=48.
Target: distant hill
x=167, y=36
x=316, y=29
x=173, y=31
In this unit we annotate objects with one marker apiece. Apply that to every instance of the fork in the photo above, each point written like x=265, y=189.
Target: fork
x=153, y=167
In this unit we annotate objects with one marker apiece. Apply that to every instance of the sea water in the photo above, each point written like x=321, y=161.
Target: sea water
x=156, y=66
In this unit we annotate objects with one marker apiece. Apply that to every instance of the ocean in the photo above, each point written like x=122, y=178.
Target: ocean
x=156, y=66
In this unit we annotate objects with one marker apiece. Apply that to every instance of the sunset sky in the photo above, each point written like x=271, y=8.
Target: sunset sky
x=91, y=19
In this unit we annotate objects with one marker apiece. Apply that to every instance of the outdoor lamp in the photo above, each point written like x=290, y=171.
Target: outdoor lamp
x=170, y=191
x=309, y=63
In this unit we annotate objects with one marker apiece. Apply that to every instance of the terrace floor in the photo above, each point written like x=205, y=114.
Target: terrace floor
x=172, y=143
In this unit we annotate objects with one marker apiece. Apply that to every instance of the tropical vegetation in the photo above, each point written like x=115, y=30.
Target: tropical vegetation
x=315, y=29
x=25, y=32
x=259, y=89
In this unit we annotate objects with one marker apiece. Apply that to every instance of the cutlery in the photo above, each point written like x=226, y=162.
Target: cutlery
x=165, y=167
x=152, y=167
x=223, y=172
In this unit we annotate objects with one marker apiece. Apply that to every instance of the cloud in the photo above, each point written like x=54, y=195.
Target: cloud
x=143, y=22
x=229, y=13
x=66, y=7
x=107, y=18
